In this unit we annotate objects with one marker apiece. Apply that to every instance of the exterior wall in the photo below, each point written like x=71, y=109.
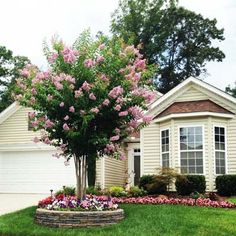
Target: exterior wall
x=114, y=172
x=150, y=136
x=15, y=128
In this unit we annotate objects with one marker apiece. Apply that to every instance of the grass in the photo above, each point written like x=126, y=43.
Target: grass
x=232, y=199
x=140, y=220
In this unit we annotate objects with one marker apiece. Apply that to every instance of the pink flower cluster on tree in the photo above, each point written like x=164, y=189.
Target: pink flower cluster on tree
x=92, y=97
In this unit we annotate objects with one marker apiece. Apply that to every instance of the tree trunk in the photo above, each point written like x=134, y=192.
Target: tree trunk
x=80, y=171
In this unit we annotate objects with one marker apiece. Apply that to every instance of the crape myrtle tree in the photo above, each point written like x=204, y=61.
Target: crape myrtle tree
x=91, y=98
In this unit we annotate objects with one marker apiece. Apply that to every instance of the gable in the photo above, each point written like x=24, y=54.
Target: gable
x=193, y=90
x=191, y=94
x=15, y=128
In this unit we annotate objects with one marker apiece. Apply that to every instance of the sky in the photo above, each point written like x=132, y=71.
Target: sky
x=25, y=24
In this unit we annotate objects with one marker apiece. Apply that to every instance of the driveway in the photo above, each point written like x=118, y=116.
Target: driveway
x=14, y=202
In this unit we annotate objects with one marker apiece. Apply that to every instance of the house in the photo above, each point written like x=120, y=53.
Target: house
x=28, y=167
x=193, y=130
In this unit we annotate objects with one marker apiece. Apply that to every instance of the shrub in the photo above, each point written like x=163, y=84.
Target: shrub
x=144, y=180
x=68, y=191
x=153, y=184
x=226, y=185
x=187, y=184
x=157, y=187
x=94, y=190
x=117, y=191
x=135, y=191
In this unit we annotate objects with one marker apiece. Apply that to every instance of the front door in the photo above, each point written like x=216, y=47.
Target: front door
x=136, y=166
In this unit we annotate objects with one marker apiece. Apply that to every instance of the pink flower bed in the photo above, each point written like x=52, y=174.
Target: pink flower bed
x=203, y=202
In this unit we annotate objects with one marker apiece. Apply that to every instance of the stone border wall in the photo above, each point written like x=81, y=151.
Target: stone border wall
x=73, y=219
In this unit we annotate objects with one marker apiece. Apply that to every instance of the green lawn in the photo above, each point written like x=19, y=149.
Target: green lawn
x=232, y=199
x=145, y=220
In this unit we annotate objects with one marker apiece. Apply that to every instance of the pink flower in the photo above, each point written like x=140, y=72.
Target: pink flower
x=33, y=91
x=115, y=138
x=116, y=91
x=88, y=63
x=122, y=157
x=106, y=102
x=31, y=115
x=25, y=72
x=95, y=110
x=140, y=64
x=147, y=119
x=52, y=58
x=65, y=127
x=86, y=86
x=36, y=140
x=101, y=46
x=104, y=78
x=78, y=93
x=62, y=104
x=100, y=58
x=48, y=124
x=71, y=109
x=117, y=107
x=123, y=113
x=117, y=130
x=69, y=55
x=58, y=85
x=50, y=97
x=110, y=147
x=32, y=100
x=92, y=96
x=66, y=117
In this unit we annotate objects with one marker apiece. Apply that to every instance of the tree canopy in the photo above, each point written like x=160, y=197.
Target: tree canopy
x=230, y=90
x=9, y=71
x=91, y=99
x=180, y=41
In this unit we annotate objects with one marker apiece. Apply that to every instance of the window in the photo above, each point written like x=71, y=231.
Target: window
x=220, y=166
x=165, y=148
x=191, y=150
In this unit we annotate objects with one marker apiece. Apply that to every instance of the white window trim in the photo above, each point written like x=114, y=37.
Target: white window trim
x=225, y=151
x=203, y=147
x=162, y=129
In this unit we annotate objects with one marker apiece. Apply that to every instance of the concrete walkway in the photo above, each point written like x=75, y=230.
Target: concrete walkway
x=14, y=202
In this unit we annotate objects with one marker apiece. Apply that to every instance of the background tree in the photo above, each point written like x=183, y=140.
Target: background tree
x=90, y=100
x=9, y=70
x=177, y=39
x=231, y=91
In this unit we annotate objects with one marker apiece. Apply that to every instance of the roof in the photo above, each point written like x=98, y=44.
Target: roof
x=9, y=111
x=193, y=81
x=193, y=106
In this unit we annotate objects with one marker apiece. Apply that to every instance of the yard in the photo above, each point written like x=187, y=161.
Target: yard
x=140, y=220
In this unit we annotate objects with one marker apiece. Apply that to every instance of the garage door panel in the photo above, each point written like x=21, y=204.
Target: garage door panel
x=33, y=172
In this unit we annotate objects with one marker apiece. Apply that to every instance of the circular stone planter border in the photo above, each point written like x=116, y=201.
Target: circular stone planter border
x=73, y=219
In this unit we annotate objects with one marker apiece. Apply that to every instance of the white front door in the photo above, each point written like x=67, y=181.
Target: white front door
x=134, y=165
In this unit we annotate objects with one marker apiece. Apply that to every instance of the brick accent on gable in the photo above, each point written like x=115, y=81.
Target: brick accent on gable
x=193, y=106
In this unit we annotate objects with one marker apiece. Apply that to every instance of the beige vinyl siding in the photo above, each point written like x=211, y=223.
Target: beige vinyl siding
x=98, y=173
x=15, y=128
x=150, y=149
x=115, y=172
x=191, y=94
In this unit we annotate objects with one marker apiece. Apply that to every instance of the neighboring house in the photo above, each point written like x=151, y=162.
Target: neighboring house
x=194, y=131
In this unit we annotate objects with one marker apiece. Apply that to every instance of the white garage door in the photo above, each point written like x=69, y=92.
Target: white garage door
x=33, y=172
